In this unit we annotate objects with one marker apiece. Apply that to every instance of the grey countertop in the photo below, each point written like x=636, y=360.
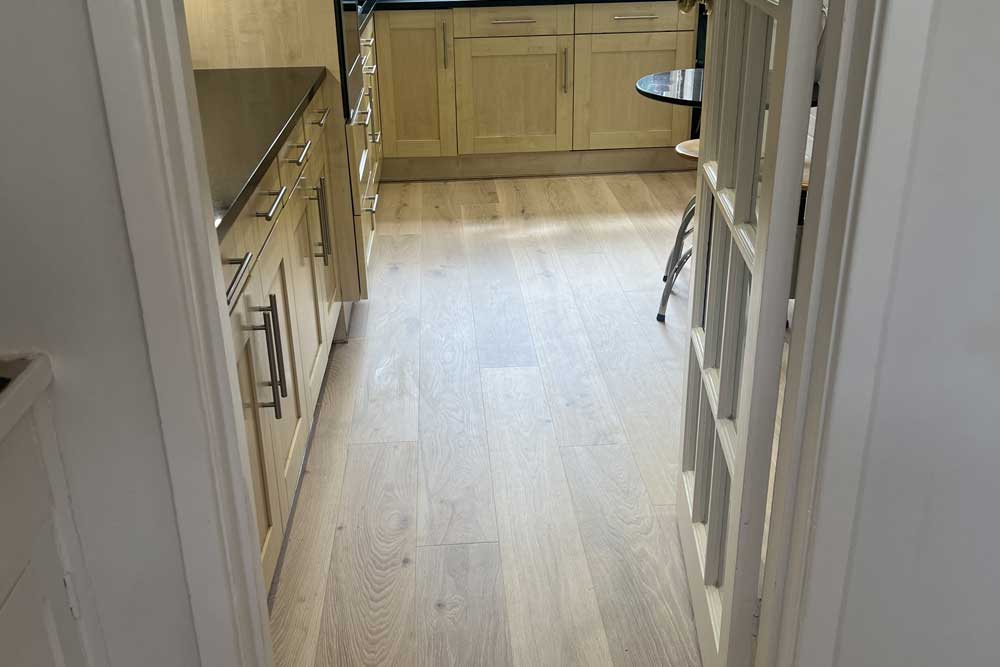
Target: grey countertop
x=246, y=116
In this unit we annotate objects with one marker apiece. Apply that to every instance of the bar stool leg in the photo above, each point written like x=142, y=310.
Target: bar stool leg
x=661, y=315
x=682, y=233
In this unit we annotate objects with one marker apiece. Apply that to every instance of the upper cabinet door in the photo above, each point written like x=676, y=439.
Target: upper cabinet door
x=515, y=94
x=609, y=112
x=415, y=52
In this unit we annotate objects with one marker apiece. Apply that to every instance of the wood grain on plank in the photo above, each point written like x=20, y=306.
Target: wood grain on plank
x=296, y=609
x=553, y=613
x=385, y=405
x=368, y=615
x=637, y=567
x=503, y=336
x=461, y=617
x=455, y=498
x=399, y=209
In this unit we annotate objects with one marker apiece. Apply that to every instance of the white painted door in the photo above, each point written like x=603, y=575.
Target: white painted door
x=760, y=59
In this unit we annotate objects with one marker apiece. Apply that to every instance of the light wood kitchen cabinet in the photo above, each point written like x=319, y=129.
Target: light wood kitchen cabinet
x=416, y=59
x=307, y=250
x=514, y=94
x=608, y=111
x=615, y=17
x=250, y=329
x=289, y=431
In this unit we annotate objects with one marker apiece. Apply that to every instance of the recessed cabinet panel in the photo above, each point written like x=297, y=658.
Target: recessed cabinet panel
x=608, y=112
x=415, y=52
x=515, y=94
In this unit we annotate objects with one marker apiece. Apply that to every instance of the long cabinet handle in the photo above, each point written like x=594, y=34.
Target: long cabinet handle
x=271, y=309
x=279, y=196
x=244, y=266
x=369, y=69
x=374, y=200
x=367, y=113
x=368, y=41
x=565, y=70
x=639, y=17
x=324, y=221
x=511, y=21
x=272, y=359
x=301, y=159
x=444, y=42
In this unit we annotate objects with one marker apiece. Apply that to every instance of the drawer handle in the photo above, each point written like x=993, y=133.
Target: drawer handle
x=565, y=70
x=322, y=121
x=324, y=221
x=278, y=196
x=367, y=113
x=512, y=21
x=374, y=200
x=301, y=159
x=244, y=264
x=640, y=17
x=377, y=137
x=369, y=69
x=444, y=42
x=368, y=41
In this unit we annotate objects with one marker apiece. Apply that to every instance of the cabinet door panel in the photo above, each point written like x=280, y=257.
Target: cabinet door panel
x=515, y=94
x=289, y=433
x=415, y=51
x=609, y=113
x=252, y=373
x=309, y=284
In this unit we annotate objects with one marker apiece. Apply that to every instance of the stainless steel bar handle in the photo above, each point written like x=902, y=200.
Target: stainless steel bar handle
x=322, y=121
x=366, y=112
x=278, y=195
x=369, y=69
x=639, y=17
x=324, y=222
x=510, y=21
x=374, y=200
x=565, y=70
x=279, y=353
x=301, y=159
x=377, y=137
x=444, y=42
x=368, y=41
x=272, y=363
x=244, y=264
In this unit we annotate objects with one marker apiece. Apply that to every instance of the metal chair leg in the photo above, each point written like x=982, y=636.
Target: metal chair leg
x=661, y=315
x=682, y=232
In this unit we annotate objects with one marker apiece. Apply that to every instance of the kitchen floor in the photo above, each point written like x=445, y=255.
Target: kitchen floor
x=493, y=473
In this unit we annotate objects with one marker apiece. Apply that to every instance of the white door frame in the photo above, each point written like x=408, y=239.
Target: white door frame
x=146, y=77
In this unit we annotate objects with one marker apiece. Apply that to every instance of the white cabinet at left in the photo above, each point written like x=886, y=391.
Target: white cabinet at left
x=39, y=609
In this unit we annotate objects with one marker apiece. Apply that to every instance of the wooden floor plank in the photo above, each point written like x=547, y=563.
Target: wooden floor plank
x=368, y=615
x=553, y=614
x=637, y=567
x=399, y=209
x=636, y=379
x=455, y=498
x=385, y=406
x=461, y=618
x=297, y=606
x=503, y=335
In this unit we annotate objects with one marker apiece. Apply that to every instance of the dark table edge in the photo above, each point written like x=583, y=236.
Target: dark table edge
x=239, y=202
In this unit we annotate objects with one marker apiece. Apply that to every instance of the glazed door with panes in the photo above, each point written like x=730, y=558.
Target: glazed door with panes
x=760, y=60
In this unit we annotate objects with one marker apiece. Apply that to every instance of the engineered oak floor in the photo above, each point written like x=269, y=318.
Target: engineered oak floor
x=493, y=469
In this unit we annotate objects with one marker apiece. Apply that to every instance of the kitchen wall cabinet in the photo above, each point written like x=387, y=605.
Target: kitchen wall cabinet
x=514, y=94
x=416, y=59
x=608, y=113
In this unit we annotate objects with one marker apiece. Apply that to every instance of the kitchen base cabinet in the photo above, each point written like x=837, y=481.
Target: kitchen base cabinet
x=250, y=329
x=289, y=429
x=514, y=94
x=416, y=60
x=608, y=111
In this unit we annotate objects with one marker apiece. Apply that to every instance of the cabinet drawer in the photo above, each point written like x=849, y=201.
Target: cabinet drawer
x=293, y=155
x=631, y=17
x=261, y=211
x=513, y=21
x=318, y=115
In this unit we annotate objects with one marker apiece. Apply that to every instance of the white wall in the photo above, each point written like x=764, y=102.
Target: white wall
x=68, y=287
x=914, y=407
